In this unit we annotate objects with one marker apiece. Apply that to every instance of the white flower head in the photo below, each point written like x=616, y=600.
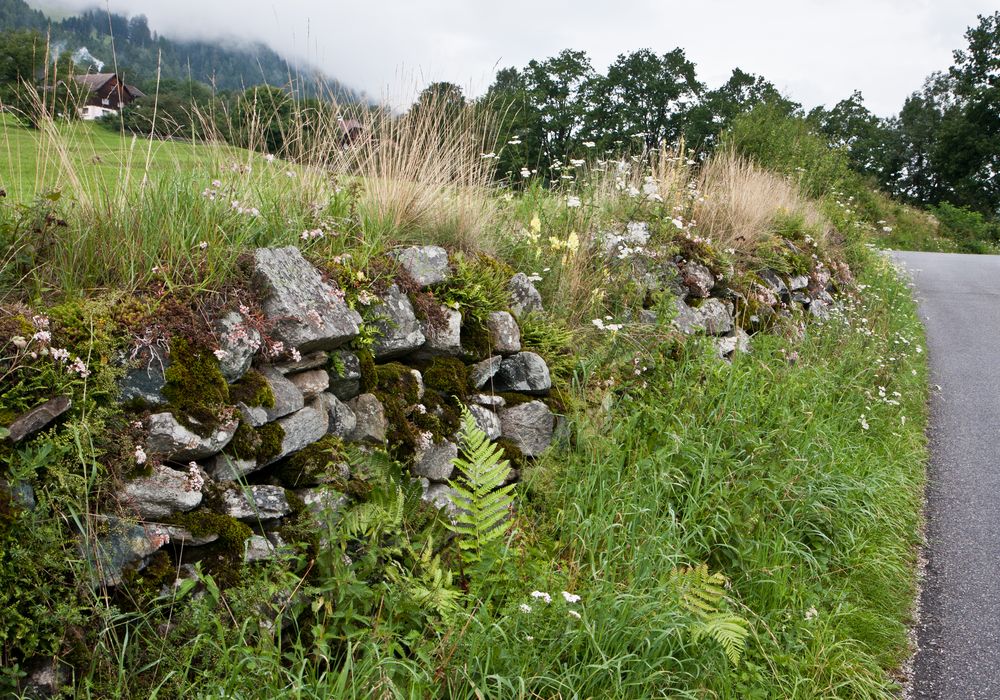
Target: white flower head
x=541, y=595
x=140, y=455
x=573, y=202
x=570, y=597
x=574, y=613
x=525, y=608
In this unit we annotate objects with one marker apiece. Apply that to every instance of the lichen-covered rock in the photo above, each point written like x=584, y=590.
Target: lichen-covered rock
x=505, y=336
x=712, y=317
x=439, y=495
x=118, y=545
x=435, y=462
x=311, y=382
x=302, y=310
x=145, y=383
x=302, y=428
x=716, y=317
x=253, y=503
x=237, y=344
x=737, y=341
x=481, y=373
x=524, y=298
x=397, y=329
x=487, y=420
x=224, y=467
x=698, y=279
x=345, y=374
x=525, y=372
x=254, y=416
x=529, y=426
x=312, y=360
x=426, y=264
x=181, y=535
x=442, y=338
x=287, y=397
x=165, y=492
x=771, y=280
x=488, y=400
x=38, y=418
x=798, y=282
x=342, y=420
x=370, y=423
x=176, y=443
x=819, y=309
x=258, y=548
x=617, y=244
x=322, y=501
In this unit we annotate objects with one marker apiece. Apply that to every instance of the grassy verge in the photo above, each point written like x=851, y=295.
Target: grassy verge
x=703, y=529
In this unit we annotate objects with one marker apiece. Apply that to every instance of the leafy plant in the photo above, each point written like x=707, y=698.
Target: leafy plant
x=701, y=594
x=482, y=501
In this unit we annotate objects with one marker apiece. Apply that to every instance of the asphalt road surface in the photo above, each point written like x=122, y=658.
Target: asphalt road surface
x=959, y=631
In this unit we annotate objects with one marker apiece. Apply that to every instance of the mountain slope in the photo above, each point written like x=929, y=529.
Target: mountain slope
x=104, y=41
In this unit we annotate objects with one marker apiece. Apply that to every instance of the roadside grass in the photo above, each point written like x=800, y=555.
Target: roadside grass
x=793, y=474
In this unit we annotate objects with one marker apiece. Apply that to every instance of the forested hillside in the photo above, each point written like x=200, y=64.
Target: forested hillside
x=129, y=44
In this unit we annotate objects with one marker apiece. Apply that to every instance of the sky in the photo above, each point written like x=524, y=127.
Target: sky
x=816, y=51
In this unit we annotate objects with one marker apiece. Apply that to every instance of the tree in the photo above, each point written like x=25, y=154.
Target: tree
x=867, y=139
x=717, y=108
x=643, y=96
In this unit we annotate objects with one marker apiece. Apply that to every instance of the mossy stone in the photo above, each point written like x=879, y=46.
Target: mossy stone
x=322, y=462
x=195, y=388
x=252, y=389
x=449, y=375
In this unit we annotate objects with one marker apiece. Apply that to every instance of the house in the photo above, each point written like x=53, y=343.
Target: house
x=106, y=93
x=350, y=131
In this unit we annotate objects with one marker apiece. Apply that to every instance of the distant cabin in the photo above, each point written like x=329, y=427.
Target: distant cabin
x=106, y=94
x=350, y=131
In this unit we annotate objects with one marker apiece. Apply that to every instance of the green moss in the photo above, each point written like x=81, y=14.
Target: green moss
x=261, y=443
x=396, y=381
x=514, y=399
x=475, y=338
x=223, y=559
x=369, y=377
x=449, y=375
x=322, y=462
x=252, y=389
x=195, y=388
x=143, y=586
x=512, y=453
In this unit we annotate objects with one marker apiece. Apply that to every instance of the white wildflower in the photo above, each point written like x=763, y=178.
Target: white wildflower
x=525, y=608
x=574, y=613
x=573, y=202
x=570, y=597
x=541, y=595
x=140, y=455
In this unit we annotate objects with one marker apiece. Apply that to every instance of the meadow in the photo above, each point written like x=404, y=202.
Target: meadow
x=707, y=529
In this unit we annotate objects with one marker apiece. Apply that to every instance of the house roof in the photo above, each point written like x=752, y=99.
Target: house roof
x=94, y=81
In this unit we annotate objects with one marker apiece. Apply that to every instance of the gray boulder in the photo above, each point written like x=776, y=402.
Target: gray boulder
x=505, y=336
x=440, y=496
x=322, y=501
x=145, y=383
x=529, y=426
x=287, y=397
x=311, y=382
x=481, y=373
x=488, y=400
x=524, y=298
x=39, y=418
x=819, y=309
x=435, y=462
x=237, y=344
x=442, y=338
x=165, y=492
x=712, y=317
x=253, y=503
x=341, y=419
x=370, y=423
x=302, y=428
x=525, y=372
x=345, y=374
x=174, y=441
x=254, y=416
x=312, y=360
x=302, y=310
x=737, y=341
x=426, y=264
x=698, y=279
x=798, y=282
x=225, y=467
x=120, y=544
x=487, y=420
x=771, y=280
x=397, y=328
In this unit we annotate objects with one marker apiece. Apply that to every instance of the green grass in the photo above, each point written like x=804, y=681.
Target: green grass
x=793, y=475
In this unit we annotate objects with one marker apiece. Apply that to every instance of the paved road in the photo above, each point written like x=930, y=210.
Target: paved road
x=959, y=633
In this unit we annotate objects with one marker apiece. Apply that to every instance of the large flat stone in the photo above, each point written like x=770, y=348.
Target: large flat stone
x=39, y=418
x=303, y=311
x=397, y=328
x=525, y=372
x=529, y=426
x=238, y=342
x=253, y=503
x=302, y=428
x=426, y=264
x=435, y=462
x=165, y=492
x=174, y=441
x=287, y=397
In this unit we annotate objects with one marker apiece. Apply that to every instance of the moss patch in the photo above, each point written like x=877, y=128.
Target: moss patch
x=223, y=559
x=253, y=390
x=396, y=381
x=449, y=375
x=322, y=462
x=262, y=444
x=197, y=391
x=475, y=338
x=512, y=453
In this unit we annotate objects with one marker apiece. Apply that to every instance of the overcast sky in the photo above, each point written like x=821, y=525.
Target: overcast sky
x=817, y=51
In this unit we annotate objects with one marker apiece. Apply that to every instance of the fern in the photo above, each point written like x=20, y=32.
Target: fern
x=384, y=512
x=701, y=593
x=481, y=500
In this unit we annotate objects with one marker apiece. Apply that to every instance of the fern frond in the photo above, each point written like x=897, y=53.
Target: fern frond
x=728, y=631
x=482, y=501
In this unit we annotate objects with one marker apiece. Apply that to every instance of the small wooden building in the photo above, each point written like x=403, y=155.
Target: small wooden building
x=107, y=90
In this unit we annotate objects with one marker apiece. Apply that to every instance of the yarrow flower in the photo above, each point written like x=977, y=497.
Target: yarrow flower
x=541, y=595
x=573, y=202
x=570, y=597
x=525, y=608
x=140, y=455
x=574, y=613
